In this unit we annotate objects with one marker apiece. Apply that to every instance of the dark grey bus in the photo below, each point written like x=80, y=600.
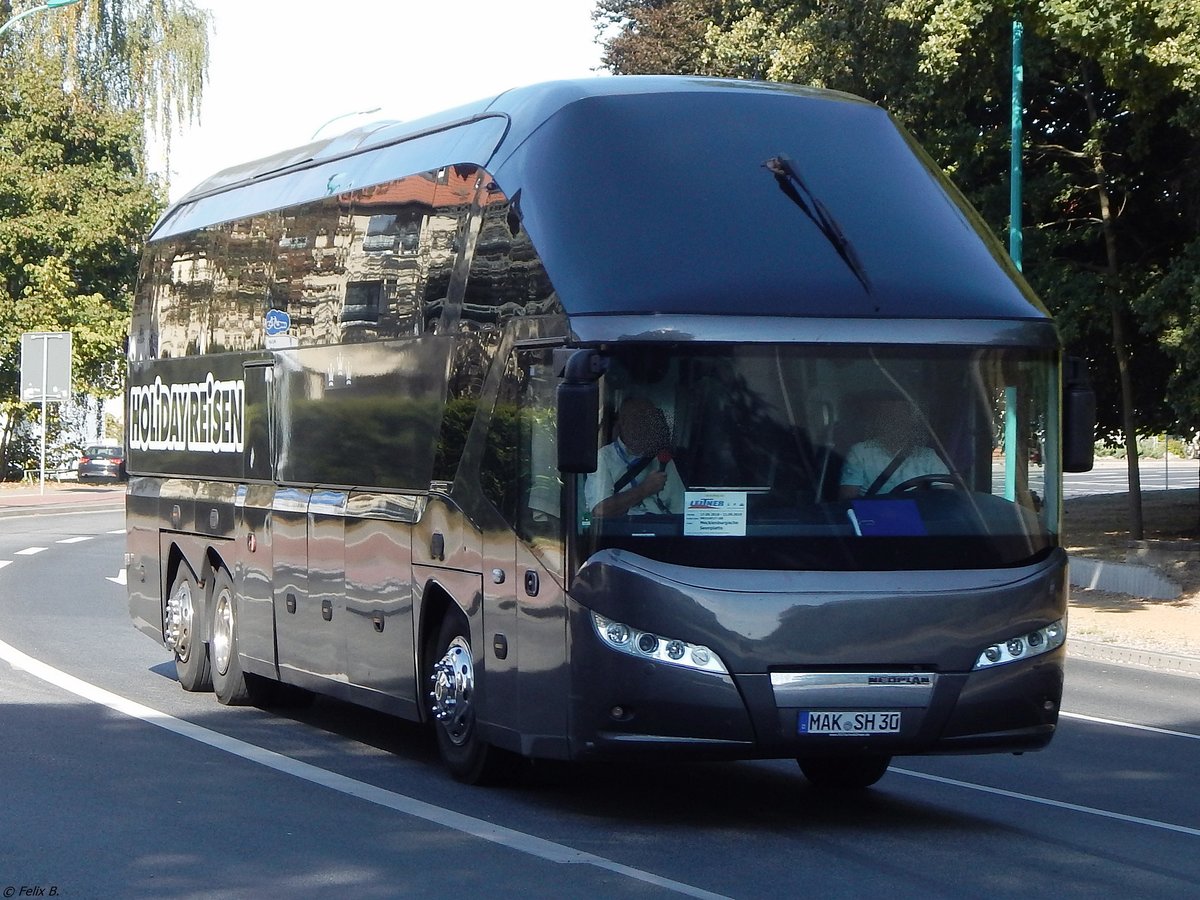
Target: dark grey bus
x=378, y=385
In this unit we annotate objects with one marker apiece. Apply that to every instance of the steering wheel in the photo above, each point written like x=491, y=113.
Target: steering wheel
x=926, y=482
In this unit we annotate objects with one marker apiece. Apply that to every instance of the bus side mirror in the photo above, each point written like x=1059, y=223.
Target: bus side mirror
x=1078, y=416
x=579, y=409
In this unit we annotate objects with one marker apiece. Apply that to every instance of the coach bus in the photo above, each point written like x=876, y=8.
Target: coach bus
x=550, y=421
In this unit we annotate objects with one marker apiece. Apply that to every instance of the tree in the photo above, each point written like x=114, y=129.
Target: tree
x=655, y=36
x=1110, y=146
x=76, y=199
x=1112, y=237
x=147, y=56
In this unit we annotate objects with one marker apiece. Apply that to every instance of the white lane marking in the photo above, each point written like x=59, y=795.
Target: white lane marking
x=1152, y=729
x=5, y=562
x=75, y=540
x=119, y=579
x=497, y=834
x=30, y=551
x=1044, y=801
x=117, y=531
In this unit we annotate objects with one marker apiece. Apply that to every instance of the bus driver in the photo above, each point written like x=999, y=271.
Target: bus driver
x=896, y=454
x=635, y=474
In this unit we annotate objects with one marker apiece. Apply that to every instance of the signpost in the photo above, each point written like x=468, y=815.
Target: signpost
x=45, y=375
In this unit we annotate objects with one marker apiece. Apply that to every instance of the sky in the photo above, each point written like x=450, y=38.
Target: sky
x=279, y=70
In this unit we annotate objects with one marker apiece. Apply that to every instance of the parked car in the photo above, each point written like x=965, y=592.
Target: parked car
x=101, y=462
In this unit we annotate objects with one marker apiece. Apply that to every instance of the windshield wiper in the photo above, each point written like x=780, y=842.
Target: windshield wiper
x=793, y=186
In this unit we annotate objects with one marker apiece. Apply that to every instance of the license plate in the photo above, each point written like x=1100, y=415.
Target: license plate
x=848, y=722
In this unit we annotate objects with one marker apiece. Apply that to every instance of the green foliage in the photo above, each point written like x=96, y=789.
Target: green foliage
x=74, y=205
x=649, y=37
x=81, y=86
x=1172, y=305
x=145, y=56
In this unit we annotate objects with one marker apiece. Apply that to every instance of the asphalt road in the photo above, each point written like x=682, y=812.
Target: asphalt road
x=119, y=784
x=1111, y=476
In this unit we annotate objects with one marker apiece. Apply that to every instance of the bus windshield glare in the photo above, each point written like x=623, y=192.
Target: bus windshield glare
x=824, y=458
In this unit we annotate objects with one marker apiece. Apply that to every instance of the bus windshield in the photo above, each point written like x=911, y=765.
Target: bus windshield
x=824, y=458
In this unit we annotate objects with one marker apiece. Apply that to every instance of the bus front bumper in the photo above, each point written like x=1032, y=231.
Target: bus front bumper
x=628, y=707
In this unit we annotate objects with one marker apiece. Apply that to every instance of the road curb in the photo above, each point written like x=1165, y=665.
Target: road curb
x=1131, y=656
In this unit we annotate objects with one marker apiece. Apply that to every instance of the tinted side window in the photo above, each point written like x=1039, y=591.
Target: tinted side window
x=507, y=277
x=394, y=230
x=310, y=269
x=518, y=474
x=458, y=223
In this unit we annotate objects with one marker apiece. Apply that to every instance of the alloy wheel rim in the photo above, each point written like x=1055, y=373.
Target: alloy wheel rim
x=222, y=637
x=179, y=625
x=453, y=692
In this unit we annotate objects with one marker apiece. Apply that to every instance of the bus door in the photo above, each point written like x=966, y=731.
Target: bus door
x=524, y=602
x=309, y=582
x=289, y=544
x=379, y=596
x=256, y=618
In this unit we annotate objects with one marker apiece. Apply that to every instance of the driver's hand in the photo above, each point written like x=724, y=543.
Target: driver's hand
x=654, y=483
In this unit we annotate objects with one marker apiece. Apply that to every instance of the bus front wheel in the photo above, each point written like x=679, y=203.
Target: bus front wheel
x=847, y=773
x=182, y=620
x=452, y=707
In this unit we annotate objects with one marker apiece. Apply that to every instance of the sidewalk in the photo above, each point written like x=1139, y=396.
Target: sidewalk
x=61, y=496
x=1119, y=612
x=1103, y=625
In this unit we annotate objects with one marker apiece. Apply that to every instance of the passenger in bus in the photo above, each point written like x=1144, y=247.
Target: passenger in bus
x=895, y=454
x=635, y=474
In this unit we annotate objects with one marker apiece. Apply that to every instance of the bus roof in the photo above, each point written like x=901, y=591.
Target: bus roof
x=525, y=106
x=682, y=195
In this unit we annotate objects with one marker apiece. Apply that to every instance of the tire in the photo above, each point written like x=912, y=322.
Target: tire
x=450, y=675
x=232, y=686
x=183, y=620
x=844, y=773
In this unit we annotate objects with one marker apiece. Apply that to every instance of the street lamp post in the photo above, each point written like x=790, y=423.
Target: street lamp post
x=1014, y=199
x=361, y=112
x=49, y=4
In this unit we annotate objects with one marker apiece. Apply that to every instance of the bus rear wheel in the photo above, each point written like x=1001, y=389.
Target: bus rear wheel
x=184, y=637
x=452, y=707
x=232, y=686
x=845, y=773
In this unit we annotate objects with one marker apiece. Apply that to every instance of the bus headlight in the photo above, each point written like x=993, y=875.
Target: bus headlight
x=1023, y=646
x=646, y=645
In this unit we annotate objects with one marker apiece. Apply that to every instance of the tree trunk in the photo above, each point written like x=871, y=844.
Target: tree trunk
x=6, y=433
x=1116, y=305
x=1128, y=422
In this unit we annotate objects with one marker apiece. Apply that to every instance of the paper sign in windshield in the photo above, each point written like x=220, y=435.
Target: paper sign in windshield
x=714, y=513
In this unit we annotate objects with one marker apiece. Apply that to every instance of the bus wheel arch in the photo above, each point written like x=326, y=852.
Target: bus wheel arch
x=449, y=688
x=184, y=618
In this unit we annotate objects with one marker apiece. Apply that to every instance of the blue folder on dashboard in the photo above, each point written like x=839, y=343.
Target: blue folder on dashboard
x=886, y=518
